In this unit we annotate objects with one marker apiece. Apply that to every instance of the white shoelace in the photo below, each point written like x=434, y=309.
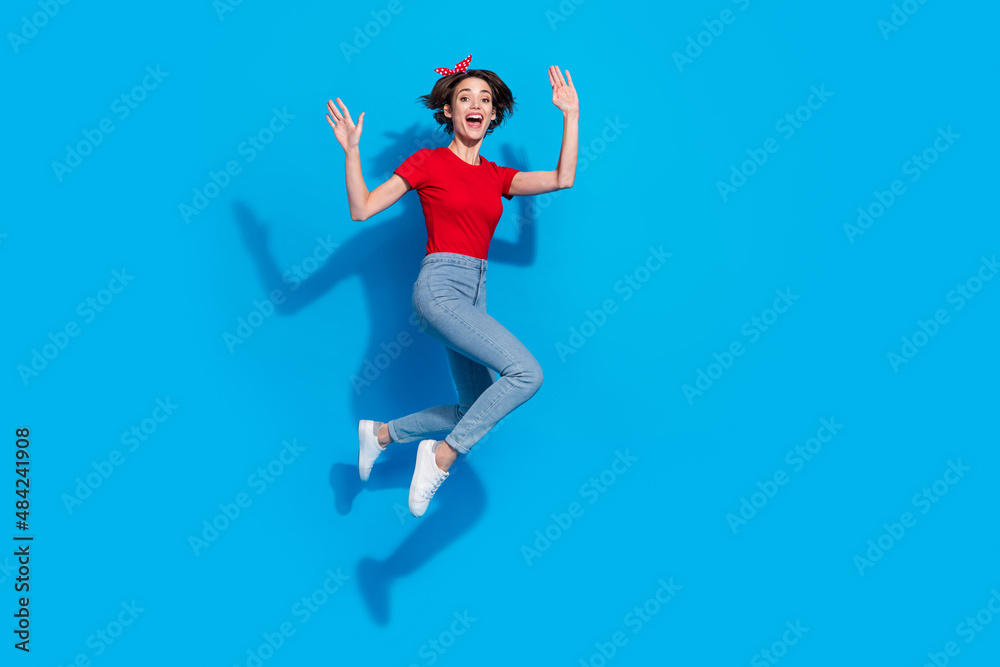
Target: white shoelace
x=429, y=493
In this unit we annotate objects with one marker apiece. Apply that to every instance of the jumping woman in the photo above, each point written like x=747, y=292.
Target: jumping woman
x=460, y=195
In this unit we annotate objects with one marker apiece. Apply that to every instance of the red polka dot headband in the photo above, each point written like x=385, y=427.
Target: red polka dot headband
x=460, y=67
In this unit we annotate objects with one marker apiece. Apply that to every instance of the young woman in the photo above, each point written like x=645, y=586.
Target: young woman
x=460, y=194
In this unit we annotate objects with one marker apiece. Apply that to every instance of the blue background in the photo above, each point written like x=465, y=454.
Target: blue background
x=652, y=182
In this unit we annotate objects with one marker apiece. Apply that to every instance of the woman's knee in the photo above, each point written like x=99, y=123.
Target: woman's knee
x=529, y=376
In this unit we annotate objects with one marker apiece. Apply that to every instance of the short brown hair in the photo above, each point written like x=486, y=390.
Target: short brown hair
x=445, y=87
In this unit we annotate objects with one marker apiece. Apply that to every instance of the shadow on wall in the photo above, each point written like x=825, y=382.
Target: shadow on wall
x=385, y=255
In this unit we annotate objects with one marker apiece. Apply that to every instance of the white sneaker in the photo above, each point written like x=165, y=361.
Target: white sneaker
x=368, y=447
x=427, y=477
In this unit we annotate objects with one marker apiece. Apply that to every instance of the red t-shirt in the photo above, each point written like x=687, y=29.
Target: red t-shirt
x=461, y=201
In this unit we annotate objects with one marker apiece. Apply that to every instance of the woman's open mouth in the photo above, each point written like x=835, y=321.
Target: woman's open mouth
x=474, y=120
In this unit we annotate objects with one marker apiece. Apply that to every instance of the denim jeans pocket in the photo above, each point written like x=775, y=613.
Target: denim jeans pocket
x=447, y=282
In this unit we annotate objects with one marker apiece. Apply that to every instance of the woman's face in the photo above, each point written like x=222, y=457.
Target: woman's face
x=471, y=110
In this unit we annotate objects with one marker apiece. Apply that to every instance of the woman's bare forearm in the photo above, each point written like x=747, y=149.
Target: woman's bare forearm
x=357, y=192
x=566, y=167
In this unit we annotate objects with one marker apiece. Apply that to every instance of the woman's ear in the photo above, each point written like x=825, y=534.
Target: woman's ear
x=447, y=110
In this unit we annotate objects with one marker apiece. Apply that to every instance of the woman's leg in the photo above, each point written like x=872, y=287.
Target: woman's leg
x=452, y=277
x=471, y=380
x=465, y=327
x=418, y=425
x=450, y=300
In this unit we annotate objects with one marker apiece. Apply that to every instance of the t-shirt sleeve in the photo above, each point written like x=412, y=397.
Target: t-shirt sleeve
x=414, y=168
x=506, y=175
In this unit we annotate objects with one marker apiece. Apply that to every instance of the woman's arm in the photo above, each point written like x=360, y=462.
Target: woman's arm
x=357, y=191
x=538, y=182
x=378, y=199
x=362, y=203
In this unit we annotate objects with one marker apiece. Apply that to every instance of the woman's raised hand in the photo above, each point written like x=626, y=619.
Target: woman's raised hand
x=563, y=94
x=347, y=133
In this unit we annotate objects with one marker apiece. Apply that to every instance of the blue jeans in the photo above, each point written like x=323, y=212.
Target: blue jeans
x=449, y=298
